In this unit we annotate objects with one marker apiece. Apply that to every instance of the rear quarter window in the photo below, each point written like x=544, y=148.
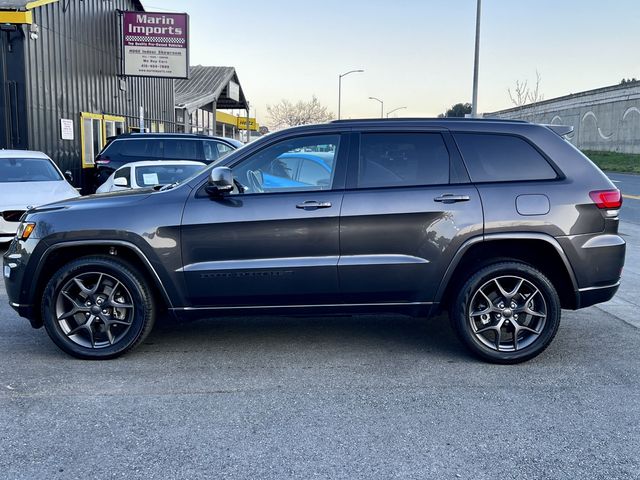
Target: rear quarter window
x=502, y=158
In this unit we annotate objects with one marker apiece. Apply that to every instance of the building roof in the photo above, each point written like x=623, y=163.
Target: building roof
x=206, y=85
x=29, y=4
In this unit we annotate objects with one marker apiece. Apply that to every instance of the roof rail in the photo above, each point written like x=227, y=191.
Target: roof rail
x=429, y=119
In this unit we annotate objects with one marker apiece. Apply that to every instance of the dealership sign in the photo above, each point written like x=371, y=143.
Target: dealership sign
x=156, y=44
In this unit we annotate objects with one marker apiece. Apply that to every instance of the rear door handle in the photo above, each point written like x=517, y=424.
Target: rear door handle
x=451, y=198
x=313, y=205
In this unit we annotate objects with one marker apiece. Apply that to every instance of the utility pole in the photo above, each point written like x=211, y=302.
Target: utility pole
x=474, y=101
x=381, y=105
x=248, y=137
x=340, y=86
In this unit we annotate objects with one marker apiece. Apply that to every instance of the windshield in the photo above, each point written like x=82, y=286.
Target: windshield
x=164, y=174
x=28, y=170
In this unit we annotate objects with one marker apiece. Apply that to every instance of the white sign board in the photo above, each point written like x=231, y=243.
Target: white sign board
x=156, y=44
x=234, y=91
x=66, y=129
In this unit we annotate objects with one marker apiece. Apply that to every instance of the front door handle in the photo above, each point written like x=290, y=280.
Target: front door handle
x=313, y=205
x=451, y=198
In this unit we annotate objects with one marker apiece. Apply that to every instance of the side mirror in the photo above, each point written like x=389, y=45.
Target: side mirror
x=120, y=182
x=69, y=176
x=220, y=181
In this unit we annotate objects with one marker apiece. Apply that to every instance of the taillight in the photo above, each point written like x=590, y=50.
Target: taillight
x=606, y=198
x=103, y=161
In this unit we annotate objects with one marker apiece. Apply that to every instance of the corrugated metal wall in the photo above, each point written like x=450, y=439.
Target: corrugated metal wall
x=73, y=67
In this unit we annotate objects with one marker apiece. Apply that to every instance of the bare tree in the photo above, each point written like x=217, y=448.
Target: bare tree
x=522, y=94
x=286, y=114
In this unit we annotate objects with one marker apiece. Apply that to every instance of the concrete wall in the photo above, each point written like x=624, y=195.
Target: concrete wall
x=605, y=119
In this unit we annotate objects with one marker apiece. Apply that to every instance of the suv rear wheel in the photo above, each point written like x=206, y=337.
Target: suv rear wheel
x=97, y=307
x=507, y=312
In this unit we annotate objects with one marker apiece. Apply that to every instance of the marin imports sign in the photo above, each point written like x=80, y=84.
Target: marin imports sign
x=156, y=44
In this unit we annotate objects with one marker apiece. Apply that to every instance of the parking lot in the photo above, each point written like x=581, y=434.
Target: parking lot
x=340, y=397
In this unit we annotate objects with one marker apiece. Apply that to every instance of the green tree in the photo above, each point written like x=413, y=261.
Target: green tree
x=458, y=110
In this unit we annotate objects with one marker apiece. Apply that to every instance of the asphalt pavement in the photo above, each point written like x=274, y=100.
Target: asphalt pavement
x=343, y=397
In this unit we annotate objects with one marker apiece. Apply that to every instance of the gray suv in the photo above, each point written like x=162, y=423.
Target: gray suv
x=503, y=223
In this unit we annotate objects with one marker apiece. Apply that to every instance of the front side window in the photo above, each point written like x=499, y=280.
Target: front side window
x=282, y=167
x=402, y=160
x=502, y=158
x=223, y=148
x=27, y=170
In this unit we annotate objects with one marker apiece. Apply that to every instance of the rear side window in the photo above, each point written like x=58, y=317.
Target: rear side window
x=402, y=159
x=134, y=149
x=502, y=158
x=175, y=149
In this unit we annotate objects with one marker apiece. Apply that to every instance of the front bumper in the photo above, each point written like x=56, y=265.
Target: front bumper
x=15, y=268
x=7, y=230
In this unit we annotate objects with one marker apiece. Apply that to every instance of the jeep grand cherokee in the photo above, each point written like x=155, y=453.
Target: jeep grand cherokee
x=503, y=223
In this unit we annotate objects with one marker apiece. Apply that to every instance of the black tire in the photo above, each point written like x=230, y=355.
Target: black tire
x=506, y=333
x=120, y=290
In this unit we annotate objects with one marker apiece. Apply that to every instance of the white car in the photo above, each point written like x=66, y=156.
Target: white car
x=28, y=179
x=149, y=174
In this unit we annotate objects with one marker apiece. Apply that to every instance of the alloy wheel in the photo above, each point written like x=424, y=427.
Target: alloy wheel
x=94, y=310
x=507, y=313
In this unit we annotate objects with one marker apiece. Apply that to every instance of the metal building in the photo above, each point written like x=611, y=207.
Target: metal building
x=63, y=92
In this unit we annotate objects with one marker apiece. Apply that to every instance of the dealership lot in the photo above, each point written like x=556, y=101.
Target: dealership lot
x=341, y=397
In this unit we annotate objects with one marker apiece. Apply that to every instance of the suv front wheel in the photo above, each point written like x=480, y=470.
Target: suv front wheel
x=507, y=312
x=97, y=307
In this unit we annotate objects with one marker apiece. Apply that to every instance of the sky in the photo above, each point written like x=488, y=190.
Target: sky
x=415, y=53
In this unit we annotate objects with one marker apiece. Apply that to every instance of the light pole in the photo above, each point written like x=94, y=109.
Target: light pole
x=394, y=110
x=381, y=105
x=340, y=86
x=474, y=101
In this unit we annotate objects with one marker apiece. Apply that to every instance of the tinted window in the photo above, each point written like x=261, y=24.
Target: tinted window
x=223, y=148
x=501, y=158
x=211, y=152
x=134, y=149
x=181, y=149
x=402, y=159
x=279, y=167
x=27, y=170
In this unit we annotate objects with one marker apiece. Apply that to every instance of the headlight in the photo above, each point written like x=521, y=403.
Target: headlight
x=25, y=230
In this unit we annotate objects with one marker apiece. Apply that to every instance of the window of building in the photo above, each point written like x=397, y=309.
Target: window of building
x=113, y=126
x=92, y=137
x=402, y=159
x=502, y=158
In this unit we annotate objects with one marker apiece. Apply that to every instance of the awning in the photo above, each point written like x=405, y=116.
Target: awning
x=207, y=85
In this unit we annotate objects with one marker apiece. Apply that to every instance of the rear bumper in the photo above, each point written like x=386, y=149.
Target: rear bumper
x=597, y=261
x=586, y=297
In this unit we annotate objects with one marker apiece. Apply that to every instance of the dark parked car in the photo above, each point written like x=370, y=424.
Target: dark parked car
x=135, y=147
x=503, y=223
